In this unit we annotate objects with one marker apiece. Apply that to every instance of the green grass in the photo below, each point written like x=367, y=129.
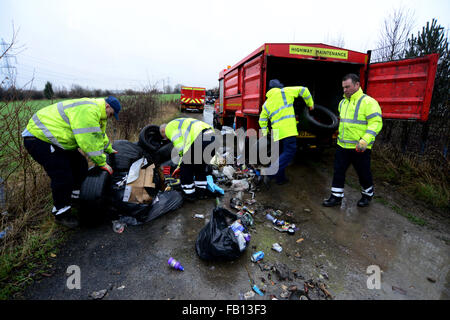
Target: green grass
x=21, y=264
x=400, y=211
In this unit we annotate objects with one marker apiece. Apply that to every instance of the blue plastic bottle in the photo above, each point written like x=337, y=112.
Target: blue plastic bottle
x=175, y=264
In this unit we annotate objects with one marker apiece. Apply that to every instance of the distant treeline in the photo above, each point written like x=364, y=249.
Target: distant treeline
x=76, y=91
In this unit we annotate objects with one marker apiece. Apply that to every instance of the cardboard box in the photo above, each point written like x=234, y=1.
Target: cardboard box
x=135, y=191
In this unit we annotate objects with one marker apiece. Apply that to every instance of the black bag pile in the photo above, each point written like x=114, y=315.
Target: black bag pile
x=103, y=195
x=217, y=240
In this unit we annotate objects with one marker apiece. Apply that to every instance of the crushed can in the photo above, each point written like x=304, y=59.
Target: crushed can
x=257, y=256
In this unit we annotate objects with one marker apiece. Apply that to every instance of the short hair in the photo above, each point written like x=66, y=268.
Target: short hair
x=354, y=77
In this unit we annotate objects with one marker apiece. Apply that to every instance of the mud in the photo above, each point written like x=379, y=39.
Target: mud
x=338, y=246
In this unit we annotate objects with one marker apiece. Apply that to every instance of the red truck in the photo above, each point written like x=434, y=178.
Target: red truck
x=403, y=88
x=192, y=98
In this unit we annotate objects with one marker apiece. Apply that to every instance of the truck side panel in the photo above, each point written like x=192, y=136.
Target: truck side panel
x=252, y=86
x=403, y=88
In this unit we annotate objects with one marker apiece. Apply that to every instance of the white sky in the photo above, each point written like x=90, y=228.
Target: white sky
x=132, y=44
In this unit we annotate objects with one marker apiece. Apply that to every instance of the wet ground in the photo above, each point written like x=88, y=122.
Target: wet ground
x=338, y=246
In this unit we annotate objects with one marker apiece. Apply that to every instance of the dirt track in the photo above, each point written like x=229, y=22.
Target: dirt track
x=339, y=244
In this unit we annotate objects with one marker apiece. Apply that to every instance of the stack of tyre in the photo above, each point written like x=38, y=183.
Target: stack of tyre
x=101, y=194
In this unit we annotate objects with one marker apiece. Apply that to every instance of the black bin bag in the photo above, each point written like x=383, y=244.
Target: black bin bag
x=216, y=241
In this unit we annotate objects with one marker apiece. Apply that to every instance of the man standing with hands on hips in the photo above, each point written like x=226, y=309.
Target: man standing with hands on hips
x=360, y=122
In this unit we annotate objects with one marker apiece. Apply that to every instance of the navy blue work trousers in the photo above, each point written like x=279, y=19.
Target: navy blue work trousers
x=66, y=168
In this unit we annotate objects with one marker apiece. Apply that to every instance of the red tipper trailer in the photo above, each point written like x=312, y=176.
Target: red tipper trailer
x=403, y=88
x=192, y=98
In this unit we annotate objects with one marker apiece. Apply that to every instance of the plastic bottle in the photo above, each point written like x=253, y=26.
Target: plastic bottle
x=175, y=264
x=241, y=241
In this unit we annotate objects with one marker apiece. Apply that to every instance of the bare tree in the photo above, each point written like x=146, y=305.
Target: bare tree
x=394, y=34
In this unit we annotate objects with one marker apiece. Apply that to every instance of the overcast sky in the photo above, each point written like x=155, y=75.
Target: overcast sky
x=133, y=44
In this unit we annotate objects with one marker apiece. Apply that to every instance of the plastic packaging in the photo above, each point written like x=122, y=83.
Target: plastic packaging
x=118, y=226
x=275, y=221
x=277, y=247
x=257, y=256
x=175, y=264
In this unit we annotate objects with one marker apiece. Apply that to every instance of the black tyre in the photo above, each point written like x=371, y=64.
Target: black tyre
x=94, y=196
x=321, y=120
x=163, y=154
x=150, y=139
x=127, y=153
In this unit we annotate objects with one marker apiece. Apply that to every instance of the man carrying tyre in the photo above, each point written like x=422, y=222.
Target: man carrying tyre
x=52, y=138
x=191, y=137
x=279, y=110
x=360, y=122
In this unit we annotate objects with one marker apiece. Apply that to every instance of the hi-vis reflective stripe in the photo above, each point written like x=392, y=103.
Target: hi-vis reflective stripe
x=86, y=130
x=282, y=118
x=61, y=108
x=46, y=132
x=286, y=105
x=355, y=116
x=373, y=115
x=188, y=130
x=192, y=100
x=94, y=153
x=175, y=137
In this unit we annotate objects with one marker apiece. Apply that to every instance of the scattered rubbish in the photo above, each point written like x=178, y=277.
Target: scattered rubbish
x=249, y=295
x=97, y=295
x=199, y=216
x=292, y=288
x=118, y=226
x=285, y=294
x=299, y=240
x=257, y=256
x=121, y=288
x=287, y=229
x=272, y=297
x=240, y=185
x=307, y=210
x=175, y=264
x=214, y=241
x=275, y=221
x=277, y=247
x=322, y=287
x=257, y=290
x=236, y=203
x=242, y=237
x=228, y=171
x=282, y=271
x=399, y=290
x=52, y=255
x=250, y=201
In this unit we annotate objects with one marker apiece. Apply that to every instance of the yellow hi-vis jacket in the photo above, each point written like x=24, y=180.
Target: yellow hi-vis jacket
x=74, y=123
x=360, y=118
x=183, y=132
x=279, y=109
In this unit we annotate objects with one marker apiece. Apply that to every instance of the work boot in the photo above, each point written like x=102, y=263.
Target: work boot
x=204, y=193
x=332, y=201
x=66, y=218
x=364, y=201
x=190, y=197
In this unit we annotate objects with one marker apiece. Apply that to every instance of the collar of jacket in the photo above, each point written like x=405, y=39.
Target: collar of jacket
x=356, y=95
x=102, y=105
x=272, y=91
